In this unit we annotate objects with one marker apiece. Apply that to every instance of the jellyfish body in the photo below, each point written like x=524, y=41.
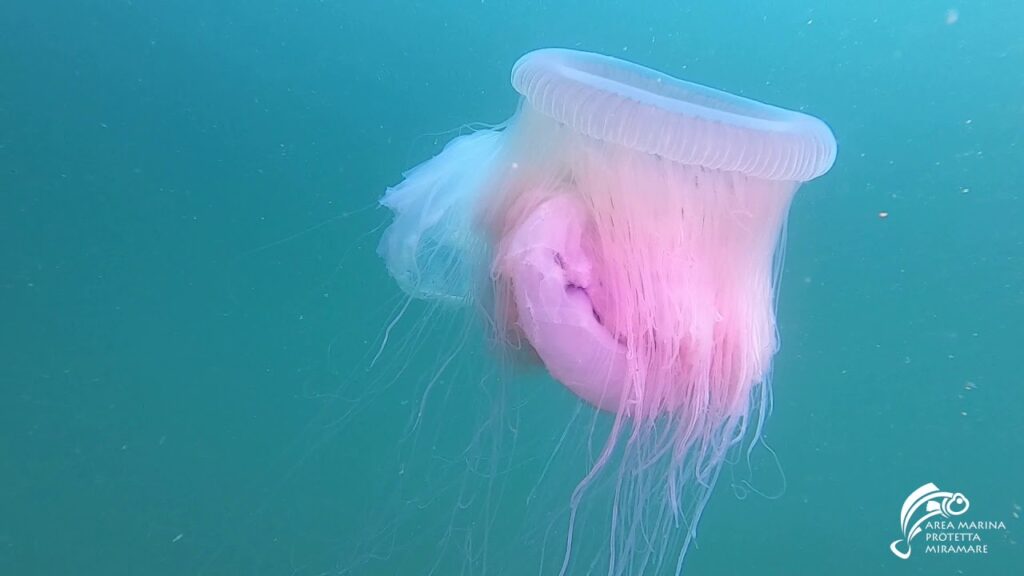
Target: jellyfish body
x=624, y=225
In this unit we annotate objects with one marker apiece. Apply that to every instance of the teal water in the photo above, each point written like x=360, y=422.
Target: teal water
x=192, y=301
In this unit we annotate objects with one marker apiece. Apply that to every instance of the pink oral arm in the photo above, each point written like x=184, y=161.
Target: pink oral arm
x=551, y=274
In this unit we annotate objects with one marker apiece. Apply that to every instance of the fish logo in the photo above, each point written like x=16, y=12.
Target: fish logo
x=935, y=502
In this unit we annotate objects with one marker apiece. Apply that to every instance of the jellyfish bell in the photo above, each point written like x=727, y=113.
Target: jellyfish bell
x=624, y=226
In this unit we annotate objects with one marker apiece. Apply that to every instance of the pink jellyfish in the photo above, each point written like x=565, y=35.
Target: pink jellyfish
x=623, y=225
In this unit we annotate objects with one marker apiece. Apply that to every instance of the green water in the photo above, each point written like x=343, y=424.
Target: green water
x=192, y=301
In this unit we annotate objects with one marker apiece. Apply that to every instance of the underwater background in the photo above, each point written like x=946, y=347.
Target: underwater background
x=194, y=378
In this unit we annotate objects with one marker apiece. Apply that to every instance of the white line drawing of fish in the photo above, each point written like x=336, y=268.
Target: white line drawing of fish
x=936, y=502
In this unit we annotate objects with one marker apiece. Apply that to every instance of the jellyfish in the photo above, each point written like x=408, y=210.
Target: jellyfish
x=623, y=229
